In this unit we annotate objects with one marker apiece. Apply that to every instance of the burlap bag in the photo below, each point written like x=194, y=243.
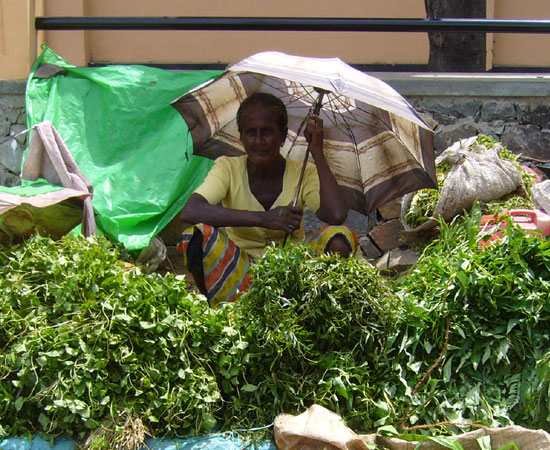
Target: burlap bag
x=524, y=439
x=475, y=175
x=318, y=428
x=315, y=429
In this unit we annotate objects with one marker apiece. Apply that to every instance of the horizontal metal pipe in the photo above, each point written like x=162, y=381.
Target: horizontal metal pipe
x=293, y=24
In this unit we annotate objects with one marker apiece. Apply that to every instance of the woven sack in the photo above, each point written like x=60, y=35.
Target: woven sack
x=477, y=173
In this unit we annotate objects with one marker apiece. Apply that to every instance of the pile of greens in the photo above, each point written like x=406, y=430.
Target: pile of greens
x=87, y=343
x=424, y=201
x=497, y=304
x=93, y=348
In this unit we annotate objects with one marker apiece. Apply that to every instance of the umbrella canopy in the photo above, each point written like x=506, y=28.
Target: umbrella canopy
x=376, y=144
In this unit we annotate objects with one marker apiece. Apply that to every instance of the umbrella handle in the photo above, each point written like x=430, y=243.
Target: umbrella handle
x=316, y=111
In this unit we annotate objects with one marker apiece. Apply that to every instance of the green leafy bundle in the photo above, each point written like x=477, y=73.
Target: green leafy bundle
x=86, y=341
x=318, y=331
x=497, y=302
x=88, y=344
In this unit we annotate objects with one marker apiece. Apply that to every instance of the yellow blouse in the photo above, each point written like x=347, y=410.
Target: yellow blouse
x=227, y=182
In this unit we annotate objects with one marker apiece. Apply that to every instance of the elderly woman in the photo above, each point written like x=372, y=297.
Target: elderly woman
x=250, y=196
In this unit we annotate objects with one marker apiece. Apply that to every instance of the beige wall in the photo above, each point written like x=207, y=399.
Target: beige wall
x=522, y=49
x=73, y=45
x=18, y=38
x=222, y=47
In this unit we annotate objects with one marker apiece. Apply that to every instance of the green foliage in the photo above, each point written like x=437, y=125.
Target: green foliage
x=318, y=331
x=101, y=351
x=498, y=302
x=83, y=340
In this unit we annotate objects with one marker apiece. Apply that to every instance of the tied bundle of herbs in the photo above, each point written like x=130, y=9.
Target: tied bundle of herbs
x=495, y=304
x=87, y=343
x=318, y=330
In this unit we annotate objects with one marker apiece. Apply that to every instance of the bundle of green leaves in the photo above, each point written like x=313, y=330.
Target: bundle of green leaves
x=86, y=342
x=90, y=345
x=318, y=331
x=497, y=302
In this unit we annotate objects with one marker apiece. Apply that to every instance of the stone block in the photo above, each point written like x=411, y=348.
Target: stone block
x=369, y=248
x=529, y=140
x=388, y=235
x=11, y=155
x=498, y=110
x=398, y=260
x=448, y=106
x=17, y=129
x=391, y=210
x=12, y=102
x=445, y=136
x=442, y=119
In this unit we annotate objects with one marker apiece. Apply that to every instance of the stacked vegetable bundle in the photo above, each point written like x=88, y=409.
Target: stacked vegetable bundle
x=84, y=342
x=89, y=345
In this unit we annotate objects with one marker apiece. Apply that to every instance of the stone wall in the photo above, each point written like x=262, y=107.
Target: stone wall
x=13, y=121
x=514, y=109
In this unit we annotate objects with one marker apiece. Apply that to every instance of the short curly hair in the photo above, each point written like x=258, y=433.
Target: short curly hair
x=267, y=101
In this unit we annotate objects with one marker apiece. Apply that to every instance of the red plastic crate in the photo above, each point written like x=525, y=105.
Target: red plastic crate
x=534, y=221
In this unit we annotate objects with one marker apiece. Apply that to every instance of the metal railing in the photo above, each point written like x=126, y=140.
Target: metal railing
x=294, y=24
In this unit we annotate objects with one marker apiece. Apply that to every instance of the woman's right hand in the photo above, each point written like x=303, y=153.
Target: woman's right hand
x=284, y=218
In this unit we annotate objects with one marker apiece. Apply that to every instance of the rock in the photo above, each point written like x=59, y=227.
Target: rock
x=10, y=156
x=498, y=110
x=529, y=140
x=497, y=126
x=369, y=248
x=447, y=106
x=535, y=114
x=398, y=260
x=447, y=135
x=388, y=234
x=391, y=210
x=17, y=129
x=443, y=119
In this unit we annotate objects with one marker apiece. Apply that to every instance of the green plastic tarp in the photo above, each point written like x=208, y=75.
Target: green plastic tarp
x=127, y=139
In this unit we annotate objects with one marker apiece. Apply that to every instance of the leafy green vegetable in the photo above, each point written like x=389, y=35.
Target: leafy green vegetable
x=85, y=342
x=498, y=303
x=96, y=349
x=318, y=328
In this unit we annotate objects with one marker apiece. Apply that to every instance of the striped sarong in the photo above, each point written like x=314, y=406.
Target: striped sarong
x=225, y=265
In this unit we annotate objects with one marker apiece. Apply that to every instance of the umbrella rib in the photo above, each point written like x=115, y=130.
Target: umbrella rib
x=356, y=147
x=264, y=79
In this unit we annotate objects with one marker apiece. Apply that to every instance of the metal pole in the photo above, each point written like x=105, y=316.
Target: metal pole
x=294, y=24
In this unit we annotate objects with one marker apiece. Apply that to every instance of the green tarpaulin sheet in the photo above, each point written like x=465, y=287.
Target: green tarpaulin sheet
x=125, y=137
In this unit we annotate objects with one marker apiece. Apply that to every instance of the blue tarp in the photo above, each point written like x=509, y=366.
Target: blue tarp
x=211, y=442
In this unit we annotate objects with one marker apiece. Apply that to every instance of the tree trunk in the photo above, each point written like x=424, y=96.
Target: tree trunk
x=455, y=51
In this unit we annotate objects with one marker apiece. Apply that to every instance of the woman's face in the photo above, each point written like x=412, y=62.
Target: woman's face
x=261, y=137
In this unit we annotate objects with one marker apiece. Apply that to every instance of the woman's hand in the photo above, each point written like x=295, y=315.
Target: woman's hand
x=284, y=218
x=197, y=209
x=314, y=135
x=333, y=208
